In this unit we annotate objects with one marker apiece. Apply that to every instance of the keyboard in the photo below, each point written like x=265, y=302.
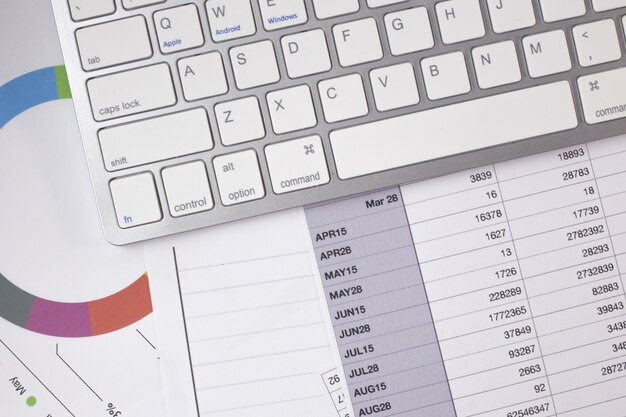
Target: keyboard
x=195, y=113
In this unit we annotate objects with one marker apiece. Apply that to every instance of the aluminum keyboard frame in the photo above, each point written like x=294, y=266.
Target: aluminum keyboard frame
x=336, y=188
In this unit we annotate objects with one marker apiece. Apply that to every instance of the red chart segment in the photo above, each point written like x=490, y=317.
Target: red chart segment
x=82, y=319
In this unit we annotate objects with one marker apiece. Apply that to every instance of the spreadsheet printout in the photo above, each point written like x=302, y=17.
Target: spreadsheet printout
x=491, y=292
x=494, y=292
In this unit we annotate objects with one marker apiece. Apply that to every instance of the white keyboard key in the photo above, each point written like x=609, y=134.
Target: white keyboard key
x=597, y=43
x=135, y=4
x=496, y=64
x=409, y=31
x=130, y=92
x=306, y=53
x=291, y=109
x=343, y=98
x=510, y=15
x=202, y=76
x=136, y=201
x=297, y=164
x=99, y=45
x=394, y=87
x=178, y=29
x=547, y=53
x=380, y=3
x=453, y=129
x=187, y=189
x=240, y=121
x=278, y=14
x=155, y=139
x=238, y=177
x=230, y=19
x=88, y=9
x=603, y=96
x=460, y=20
x=557, y=10
x=254, y=65
x=325, y=9
x=357, y=42
x=445, y=75
x=604, y=5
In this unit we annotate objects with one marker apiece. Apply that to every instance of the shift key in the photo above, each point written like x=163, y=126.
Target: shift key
x=131, y=92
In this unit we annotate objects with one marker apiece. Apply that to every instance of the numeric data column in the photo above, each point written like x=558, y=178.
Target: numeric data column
x=478, y=300
x=378, y=307
x=570, y=272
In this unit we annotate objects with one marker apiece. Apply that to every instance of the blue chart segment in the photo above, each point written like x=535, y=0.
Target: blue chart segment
x=32, y=89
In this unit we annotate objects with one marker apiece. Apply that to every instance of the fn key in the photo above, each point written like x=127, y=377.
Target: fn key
x=136, y=200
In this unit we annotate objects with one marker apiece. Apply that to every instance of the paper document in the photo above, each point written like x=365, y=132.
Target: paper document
x=494, y=292
x=256, y=331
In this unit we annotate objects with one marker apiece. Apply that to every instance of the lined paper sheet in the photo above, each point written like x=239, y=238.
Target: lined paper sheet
x=257, y=333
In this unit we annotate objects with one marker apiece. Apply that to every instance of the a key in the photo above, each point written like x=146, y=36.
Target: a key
x=230, y=19
x=130, y=92
x=297, y=164
x=187, y=189
x=99, y=45
x=291, y=109
x=597, y=43
x=325, y=9
x=445, y=75
x=254, y=64
x=343, y=98
x=306, y=53
x=547, y=53
x=603, y=95
x=88, y=9
x=604, y=5
x=240, y=121
x=496, y=64
x=557, y=10
x=357, y=42
x=178, y=29
x=453, y=129
x=203, y=76
x=136, y=201
x=238, y=177
x=394, y=87
x=510, y=15
x=409, y=31
x=460, y=20
x=155, y=139
x=380, y=3
x=135, y=4
x=278, y=14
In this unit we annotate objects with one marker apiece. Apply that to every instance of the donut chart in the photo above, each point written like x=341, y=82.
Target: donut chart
x=47, y=317
x=32, y=89
x=82, y=319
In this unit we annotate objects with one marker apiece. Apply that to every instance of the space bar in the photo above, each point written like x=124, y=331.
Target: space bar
x=457, y=128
